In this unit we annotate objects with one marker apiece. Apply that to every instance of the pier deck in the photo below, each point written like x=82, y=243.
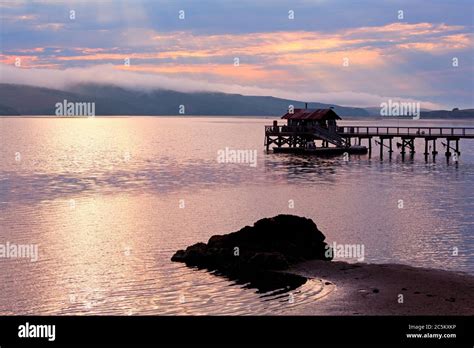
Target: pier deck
x=417, y=132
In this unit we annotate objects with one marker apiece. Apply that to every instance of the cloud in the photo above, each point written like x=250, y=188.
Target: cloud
x=300, y=58
x=50, y=26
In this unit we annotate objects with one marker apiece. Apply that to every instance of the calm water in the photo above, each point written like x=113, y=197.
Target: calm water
x=109, y=200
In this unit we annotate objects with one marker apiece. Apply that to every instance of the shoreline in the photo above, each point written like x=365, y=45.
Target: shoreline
x=375, y=289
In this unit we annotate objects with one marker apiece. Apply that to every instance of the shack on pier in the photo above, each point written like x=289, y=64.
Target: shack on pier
x=304, y=127
x=325, y=118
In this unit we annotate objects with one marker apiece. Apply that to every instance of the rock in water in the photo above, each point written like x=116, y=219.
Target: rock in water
x=270, y=244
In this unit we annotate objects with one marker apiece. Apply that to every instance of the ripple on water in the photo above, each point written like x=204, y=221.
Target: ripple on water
x=134, y=202
x=198, y=292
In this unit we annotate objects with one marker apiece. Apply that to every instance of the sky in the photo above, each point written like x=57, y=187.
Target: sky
x=355, y=53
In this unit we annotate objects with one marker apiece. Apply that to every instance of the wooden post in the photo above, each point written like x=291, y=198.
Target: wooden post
x=390, y=146
x=426, y=147
x=457, y=147
x=412, y=147
x=434, y=147
x=448, y=153
x=381, y=148
x=370, y=144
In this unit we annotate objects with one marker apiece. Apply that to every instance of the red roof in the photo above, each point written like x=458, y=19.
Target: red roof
x=311, y=114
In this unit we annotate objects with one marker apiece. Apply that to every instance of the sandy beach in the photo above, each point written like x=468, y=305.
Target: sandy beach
x=375, y=289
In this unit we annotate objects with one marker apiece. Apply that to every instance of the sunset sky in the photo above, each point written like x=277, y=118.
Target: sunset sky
x=300, y=58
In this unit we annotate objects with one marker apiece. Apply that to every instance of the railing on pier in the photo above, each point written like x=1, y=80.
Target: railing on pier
x=287, y=129
x=463, y=132
x=320, y=132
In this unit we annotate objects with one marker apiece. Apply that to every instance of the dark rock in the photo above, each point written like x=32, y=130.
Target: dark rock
x=196, y=254
x=268, y=260
x=270, y=244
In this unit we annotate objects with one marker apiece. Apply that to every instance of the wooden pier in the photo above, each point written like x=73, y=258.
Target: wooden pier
x=315, y=131
x=407, y=136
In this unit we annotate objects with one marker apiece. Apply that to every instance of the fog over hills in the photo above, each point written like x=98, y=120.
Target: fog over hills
x=113, y=100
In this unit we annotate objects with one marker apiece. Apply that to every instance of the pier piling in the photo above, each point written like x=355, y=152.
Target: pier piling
x=381, y=148
x=434, y=147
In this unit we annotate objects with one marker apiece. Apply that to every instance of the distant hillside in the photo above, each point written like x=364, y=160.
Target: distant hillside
x=28, y=100
x=7, y=111
x=430, y=114
x=374, y=111
x=453, y=114
x=112, y=100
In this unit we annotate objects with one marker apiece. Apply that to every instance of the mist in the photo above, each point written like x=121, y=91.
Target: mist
x=107, y=74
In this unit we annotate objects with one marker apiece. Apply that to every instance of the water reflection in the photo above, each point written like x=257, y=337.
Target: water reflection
x=110, y=252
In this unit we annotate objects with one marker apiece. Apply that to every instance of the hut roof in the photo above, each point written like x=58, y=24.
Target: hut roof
x=311, y=114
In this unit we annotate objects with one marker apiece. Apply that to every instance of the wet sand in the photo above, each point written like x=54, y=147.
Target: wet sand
x=372, y=289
